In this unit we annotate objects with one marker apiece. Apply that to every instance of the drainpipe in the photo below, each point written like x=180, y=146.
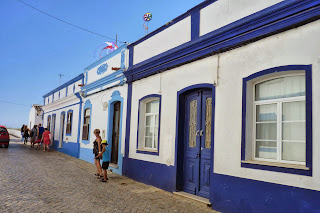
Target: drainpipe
x=79, y=124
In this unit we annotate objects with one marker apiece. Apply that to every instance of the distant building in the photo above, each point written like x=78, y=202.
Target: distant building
x=35, y=115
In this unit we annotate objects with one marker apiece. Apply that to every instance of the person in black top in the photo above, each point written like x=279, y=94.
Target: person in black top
x=26, y=134
x=97, y=151
x=22, y=131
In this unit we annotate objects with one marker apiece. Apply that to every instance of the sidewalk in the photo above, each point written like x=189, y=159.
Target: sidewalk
x=36, y=181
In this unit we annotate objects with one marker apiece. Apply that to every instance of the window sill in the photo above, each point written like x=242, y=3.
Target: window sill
x=277, y=167
x=148, y=151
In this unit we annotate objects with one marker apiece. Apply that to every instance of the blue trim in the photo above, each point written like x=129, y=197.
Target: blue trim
x=174, y=21
x=59, y=95
x=54, y=124
x=61, y=108
x=115, y=97
x=66, y=91
x=195, y=24
x=79, y=122
x=109, y=79
x=49, y=116
x=87, y=105
x=179, y=143
x=62, y=128
x=64, y=85
x=69, y=148
x=86, y=155
x=70, y=110
x=234, y=194
x=308, y=76
x=74, y=87
x=105, y=58
x=145, y=151
x=125, y=168
x=123, y=57
x=275, y=19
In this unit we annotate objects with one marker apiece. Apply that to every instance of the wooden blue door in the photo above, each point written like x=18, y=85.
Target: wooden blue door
x=197, y=143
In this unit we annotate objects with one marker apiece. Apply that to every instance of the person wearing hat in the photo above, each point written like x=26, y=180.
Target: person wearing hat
x=105, y=153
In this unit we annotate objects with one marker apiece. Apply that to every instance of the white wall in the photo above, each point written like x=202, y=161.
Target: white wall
x=55, y=109
x=167, y=84
x=115, y=61
x=167, y=39
x=223, y=12
x=99, y=117
x=297, y=46
x=34, y=119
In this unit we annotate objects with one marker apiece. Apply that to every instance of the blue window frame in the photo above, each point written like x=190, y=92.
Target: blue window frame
x=69, y=122
x=270, y=156
x=148, y=134
x=87, y=112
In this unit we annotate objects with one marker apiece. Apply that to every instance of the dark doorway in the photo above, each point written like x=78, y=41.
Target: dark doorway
x=115, y=132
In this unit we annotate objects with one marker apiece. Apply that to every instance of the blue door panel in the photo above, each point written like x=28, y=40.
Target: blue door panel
x=197, y=158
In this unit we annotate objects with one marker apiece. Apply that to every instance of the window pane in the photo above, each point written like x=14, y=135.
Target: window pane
x=152, y=107
x=155, y=137
x=149, y=131
x=148, y=142
x=294, y=131
x=266, y=131
x=157, y=120
x=294, y=111
x=294, y=151
x=281, y=88
x=87, y=112
x=266, y=149
x=87, y=120
x=267, y=112
x=149, y=120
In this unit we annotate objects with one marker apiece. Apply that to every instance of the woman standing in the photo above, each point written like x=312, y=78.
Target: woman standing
x=26, y=134
x=22, y=132
x=96, y=151
x=46, y=139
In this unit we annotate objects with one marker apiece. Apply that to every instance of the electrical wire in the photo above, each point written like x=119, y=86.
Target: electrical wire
x=15, y=103
x=81, y=28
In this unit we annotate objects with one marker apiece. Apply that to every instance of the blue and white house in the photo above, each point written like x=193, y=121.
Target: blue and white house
x=104, y=103
x=223, y=103
x=61, y=110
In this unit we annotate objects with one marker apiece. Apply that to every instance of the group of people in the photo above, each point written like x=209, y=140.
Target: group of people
x=37, y=135
x=101, y=152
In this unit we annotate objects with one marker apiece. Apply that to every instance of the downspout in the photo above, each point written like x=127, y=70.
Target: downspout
x=79, y=124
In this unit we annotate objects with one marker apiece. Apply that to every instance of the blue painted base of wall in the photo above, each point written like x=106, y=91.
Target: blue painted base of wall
x=155, y=174
x=69, y=148
x=233, y=194
x=119, y=169
x=86, y=155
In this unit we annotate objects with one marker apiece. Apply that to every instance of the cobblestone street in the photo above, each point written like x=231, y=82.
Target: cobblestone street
x=36, y=181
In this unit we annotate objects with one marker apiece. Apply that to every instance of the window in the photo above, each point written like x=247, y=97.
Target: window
x=48, y=123
x=86, y=122
x=277, y=120
x=280, y=120
x=69, y=122
x=149, y=123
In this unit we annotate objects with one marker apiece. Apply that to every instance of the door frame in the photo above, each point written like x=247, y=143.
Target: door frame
x=61, y=131
x=180, y=121
x=115, y=97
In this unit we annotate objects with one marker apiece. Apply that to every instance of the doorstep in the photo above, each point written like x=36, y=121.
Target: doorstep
x=193, y=197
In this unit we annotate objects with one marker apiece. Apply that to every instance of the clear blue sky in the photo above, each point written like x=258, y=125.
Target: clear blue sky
x=35, y=48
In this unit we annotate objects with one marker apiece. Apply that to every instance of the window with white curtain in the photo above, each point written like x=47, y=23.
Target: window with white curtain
x=279, y=114
x=148, y=128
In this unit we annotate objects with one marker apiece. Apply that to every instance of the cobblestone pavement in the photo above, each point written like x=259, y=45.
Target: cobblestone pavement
x=36, y=181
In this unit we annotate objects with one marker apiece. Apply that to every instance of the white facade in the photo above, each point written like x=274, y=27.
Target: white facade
x=35, y=116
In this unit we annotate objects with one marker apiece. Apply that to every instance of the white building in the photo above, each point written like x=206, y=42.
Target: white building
x=104, y=102
x=35, y=115
x=62, y=108
x=223, y=104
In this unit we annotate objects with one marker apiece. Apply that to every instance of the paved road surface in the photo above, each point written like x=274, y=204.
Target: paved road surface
x=36, y=181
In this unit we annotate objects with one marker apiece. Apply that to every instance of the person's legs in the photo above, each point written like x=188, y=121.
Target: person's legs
x=47, y=147
x=105, y=174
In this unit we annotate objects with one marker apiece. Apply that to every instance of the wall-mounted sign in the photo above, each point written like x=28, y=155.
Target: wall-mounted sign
x=102, y=69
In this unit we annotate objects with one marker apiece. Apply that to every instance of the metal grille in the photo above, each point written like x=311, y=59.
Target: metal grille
x=193, y=123
x=208, y=122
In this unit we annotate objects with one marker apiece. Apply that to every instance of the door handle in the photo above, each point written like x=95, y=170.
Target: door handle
x=198, y=155
x=197, y=133
x=201, y=132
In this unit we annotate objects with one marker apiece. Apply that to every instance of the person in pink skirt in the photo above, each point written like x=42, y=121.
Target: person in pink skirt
x=46, y=139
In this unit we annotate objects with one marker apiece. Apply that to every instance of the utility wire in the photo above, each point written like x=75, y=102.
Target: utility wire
x=81, y=28
x=15, y=103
